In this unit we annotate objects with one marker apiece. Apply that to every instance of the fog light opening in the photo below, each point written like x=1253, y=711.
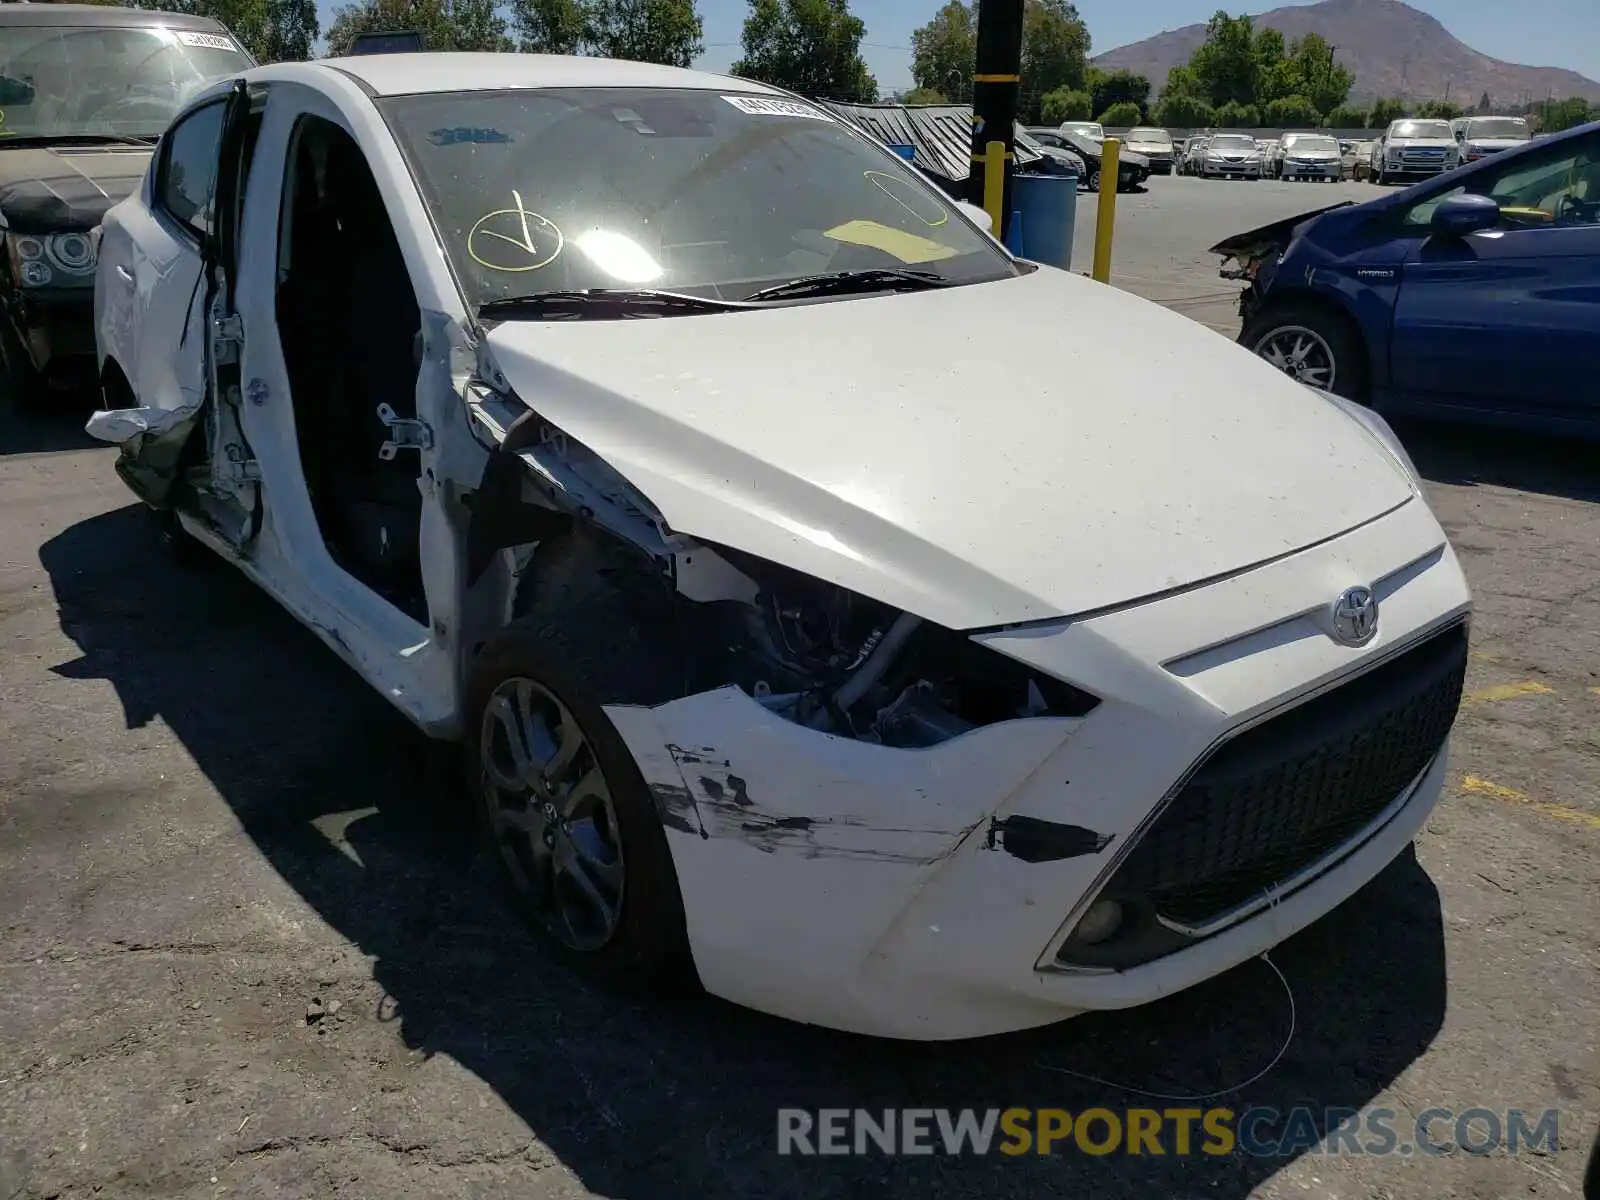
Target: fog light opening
x=1100, y=923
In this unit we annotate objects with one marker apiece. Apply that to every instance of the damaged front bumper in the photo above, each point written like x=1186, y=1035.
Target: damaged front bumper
x=932, y=893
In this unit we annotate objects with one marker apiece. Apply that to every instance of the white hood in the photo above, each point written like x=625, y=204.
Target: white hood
x=1035, y=447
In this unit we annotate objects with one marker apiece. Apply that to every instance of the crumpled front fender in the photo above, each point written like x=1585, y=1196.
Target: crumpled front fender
x=151, y=441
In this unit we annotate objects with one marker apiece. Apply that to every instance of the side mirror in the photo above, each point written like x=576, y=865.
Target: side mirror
x=1464, y=214
x=980, y=216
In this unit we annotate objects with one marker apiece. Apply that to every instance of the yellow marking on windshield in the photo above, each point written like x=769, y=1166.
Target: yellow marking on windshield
x=907, y=247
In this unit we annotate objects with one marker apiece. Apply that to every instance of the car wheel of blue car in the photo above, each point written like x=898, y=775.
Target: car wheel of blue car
x=1310, y=344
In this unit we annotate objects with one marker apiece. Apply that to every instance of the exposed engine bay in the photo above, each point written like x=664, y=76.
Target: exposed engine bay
x=808, y=650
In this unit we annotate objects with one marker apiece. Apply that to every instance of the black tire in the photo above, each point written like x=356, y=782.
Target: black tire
x=1094, y=179
x=583, y=649
x=27, y=388
x=1337, y=336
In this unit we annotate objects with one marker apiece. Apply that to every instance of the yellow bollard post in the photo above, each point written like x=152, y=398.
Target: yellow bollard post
x=994, y=183
x=1105, y=222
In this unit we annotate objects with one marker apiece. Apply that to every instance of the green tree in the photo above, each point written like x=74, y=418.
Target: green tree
x=1064, y=104
x=551, y=26
x=1181, y=81
x=1346, y=116
x=1120, y=115
x=945, y=50
x=1440, y=109
x=1055, y=53
x=1225, y=66
x=1272, y=75
x=1313, y=73
x=922, y=95
x=808, y=46
x=443, y=24
x=1234, y=115
x=1556, y=115
x=1292, y=112
x=1117, y=87
x=1383, y=112
x=656, y=31
x=1182, y=110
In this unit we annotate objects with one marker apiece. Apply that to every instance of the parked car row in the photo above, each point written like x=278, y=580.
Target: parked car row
x=1412, y=149
x=1132, y=168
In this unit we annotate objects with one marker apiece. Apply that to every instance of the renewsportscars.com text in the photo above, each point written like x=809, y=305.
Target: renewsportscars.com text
x=1258, y=1131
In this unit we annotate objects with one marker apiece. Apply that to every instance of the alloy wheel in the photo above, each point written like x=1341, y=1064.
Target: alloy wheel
x=1302, y=354
x=551, y=815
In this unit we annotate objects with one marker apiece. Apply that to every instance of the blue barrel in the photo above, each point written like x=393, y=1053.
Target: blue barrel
x=1048, y=208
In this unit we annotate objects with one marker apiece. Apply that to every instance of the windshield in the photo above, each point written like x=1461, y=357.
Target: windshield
x=1233, y=141
x=1312, y=143
x=1498, y=127
x=674, y=189
x=75, y=81
x=1422, y=129
x=1085, y=129
x=1156, y=137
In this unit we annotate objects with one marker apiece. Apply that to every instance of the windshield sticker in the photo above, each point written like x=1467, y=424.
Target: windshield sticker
x=767, y=106
x=475, y=137
x=211, y=41
x=514, y=239
x=909, y=197
x=897, y=243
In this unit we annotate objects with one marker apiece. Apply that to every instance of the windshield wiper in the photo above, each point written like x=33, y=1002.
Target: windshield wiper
x=601, y=304
x=844, y=283
x=79, y=139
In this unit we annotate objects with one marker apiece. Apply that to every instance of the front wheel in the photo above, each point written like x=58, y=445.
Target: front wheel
x=1094, y=180
x=1309, y=344
x=564, y=805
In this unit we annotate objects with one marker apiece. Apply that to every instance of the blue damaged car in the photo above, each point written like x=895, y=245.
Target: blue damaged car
x=1474, y=296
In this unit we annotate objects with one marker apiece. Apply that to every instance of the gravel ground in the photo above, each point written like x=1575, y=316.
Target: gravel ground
x=247, y=947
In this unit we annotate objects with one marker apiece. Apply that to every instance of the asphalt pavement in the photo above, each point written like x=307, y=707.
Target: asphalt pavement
x=249, y=948
x=1162, y=232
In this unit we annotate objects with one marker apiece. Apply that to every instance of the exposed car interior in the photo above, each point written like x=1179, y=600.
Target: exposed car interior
x=351, y=329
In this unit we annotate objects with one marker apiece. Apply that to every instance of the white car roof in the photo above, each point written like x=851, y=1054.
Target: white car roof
x=405, y=74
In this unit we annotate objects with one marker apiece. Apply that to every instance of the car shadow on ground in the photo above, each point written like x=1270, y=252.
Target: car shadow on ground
x=651, y=1096
x=1474, y=455
x=60, y=427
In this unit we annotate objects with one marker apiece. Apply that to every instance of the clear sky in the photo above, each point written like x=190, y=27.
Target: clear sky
x=1552, y=33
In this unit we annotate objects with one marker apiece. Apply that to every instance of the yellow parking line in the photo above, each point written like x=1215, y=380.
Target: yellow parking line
x=1560, y=812
x=1508, y=691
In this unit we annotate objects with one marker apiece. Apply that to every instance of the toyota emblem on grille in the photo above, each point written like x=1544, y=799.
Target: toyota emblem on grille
x=1355, y=616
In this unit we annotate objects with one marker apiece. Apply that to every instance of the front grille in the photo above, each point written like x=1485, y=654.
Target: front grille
x=1278, y=797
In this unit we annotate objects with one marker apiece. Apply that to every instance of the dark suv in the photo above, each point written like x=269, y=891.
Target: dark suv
x=85, y=92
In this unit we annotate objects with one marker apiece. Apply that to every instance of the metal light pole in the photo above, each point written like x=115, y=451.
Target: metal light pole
x=994, y=106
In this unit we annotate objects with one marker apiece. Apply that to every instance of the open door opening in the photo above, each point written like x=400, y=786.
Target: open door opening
x=350, y=330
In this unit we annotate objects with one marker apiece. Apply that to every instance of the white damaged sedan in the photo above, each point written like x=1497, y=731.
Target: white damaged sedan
x=681, y=453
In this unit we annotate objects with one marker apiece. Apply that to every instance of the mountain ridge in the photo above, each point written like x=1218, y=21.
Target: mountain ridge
x=1390, y=47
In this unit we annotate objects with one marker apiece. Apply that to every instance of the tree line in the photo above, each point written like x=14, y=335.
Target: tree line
x=1243, y=77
